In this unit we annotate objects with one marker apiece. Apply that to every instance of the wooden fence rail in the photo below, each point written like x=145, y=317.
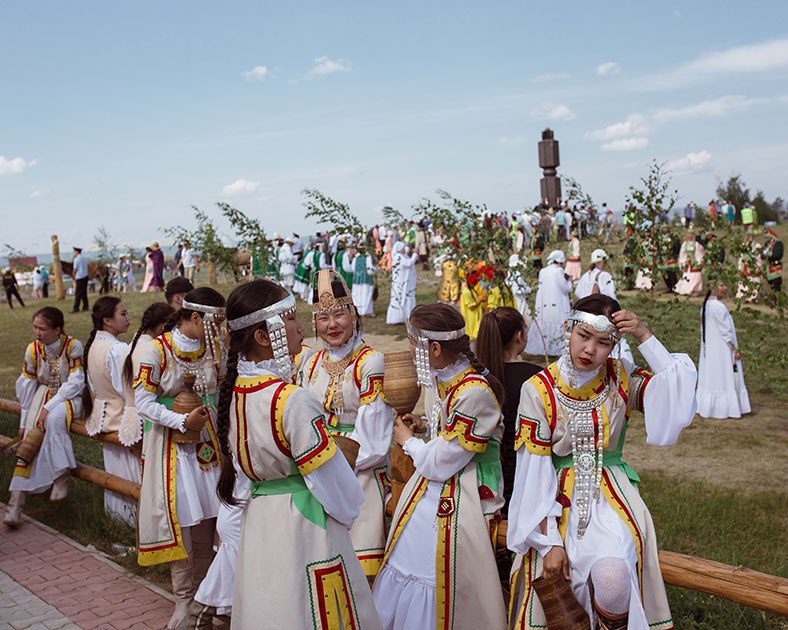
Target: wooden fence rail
x=737, y=584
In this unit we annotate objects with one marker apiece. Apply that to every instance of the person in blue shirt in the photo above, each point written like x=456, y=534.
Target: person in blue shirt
x=45, y=278
x=80, y=276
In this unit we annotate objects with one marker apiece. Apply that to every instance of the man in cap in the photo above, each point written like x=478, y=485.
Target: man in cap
x=11, y=286
x=80, y=276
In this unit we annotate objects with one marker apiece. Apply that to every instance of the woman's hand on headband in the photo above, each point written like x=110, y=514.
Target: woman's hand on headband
x=628, y=322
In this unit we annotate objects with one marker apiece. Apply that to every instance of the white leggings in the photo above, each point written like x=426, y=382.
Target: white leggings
x=611, y=580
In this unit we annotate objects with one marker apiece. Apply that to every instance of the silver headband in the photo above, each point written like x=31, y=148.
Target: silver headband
x=280, y=308
x=600, y=323
x=277, y=333
x=435, y=335
x=424, y=378
x=202, y=308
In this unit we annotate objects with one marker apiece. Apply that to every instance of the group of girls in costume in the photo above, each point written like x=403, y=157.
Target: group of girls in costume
x=303, y=532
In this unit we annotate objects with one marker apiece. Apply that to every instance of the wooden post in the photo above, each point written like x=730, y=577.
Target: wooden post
x=57, y=270
x=211, y=273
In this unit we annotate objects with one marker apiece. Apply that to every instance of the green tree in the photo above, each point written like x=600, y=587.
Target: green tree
x=734, y=191
x=209, y=246
x=251, y=236
x=107, y=250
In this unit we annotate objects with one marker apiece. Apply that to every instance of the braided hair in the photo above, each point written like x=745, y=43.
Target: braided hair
x=443, y=317
x=153, y=317
x=703, y=317
x=103, y=307
x=244, y=299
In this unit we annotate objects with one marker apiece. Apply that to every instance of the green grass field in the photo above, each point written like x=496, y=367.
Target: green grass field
x=721, y=493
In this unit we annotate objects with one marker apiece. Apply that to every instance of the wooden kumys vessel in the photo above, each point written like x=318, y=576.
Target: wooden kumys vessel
x=186, y=402
x=30, y=445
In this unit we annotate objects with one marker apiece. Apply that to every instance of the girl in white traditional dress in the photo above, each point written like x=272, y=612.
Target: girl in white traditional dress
x=403, y=285
x=178, y=502
x=49, y=392
x=574, y=267
x=552, y=307
x=721, y=390
x=104, y=354
x=691, y=263
x=439, y=568
x=296, y=564
x=347, y=377
x=575, y=508
x=151, y=326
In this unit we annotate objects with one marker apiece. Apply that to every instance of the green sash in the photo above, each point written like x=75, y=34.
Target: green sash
x=342, y=428
x=609, y=459
x=488, y=465
x=295, y=486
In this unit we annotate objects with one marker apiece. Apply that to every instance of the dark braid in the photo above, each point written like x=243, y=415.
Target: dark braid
x=103, y=307
x=703, y=317
x=155, y=315
x=244, y=299
x=227, y=478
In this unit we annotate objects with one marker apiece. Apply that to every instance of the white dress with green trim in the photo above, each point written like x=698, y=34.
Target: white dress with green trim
x=296, y=564
x=620, y=525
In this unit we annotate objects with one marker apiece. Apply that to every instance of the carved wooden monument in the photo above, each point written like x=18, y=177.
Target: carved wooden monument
x=548, y=162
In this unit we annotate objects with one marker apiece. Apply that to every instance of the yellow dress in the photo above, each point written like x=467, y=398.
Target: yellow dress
x=473, y=317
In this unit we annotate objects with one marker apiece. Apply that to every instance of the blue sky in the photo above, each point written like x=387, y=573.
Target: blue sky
x=127, y=114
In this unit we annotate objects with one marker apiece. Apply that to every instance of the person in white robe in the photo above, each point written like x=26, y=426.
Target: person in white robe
x=520, y=290
x=287, y=263
x=403, y=285
x=721, y=391
x=552, y=308
x=691, y=263
x=597, y=280
x=363, y=287
x=589, y=523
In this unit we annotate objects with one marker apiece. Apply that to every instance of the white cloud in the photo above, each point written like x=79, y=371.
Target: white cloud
x=747, y=59
x=551, y=111
x=544, y=78
x=324, y=66
x=36, y=193
x=632, y=126
x=240, y=187
x=611, y=67
x=716, y=107
x=626, y=144
x=511, y=141
x=14, y=166
x=258, y=73
x=689, y=163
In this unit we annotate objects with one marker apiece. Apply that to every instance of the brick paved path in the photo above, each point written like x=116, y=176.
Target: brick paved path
x=49, y=582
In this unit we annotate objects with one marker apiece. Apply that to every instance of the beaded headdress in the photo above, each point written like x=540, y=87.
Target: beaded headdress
x=325, y=300
x=212, y=318
x=424, y=378
x=273, y=316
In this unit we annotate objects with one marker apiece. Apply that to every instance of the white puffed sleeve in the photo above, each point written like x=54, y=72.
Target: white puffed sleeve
x=533, y=499
x=373, y=429
x=669, y=399
x=438, y=459
x=148, y=408
x=335, y=485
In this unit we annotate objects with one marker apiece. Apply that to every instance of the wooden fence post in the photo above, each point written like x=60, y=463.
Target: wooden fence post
x=57, y=270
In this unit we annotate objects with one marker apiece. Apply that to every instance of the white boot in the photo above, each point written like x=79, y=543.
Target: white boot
x=183, y=590
x=13, y=516
x=60, y=487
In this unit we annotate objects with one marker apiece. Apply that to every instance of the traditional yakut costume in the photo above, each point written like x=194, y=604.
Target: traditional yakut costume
x=439, y=569
x=105, y=363
x=52, y=377
x=570, y=472
x=552, y=307
x=303, y=499
x=349, y=382
x=179, y=478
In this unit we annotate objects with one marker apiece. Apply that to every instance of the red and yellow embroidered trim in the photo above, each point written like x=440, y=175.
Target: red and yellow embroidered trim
x=318, y=454
x=145, y=378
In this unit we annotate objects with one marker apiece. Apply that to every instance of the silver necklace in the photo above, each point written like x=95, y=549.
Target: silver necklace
x=586, y=460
